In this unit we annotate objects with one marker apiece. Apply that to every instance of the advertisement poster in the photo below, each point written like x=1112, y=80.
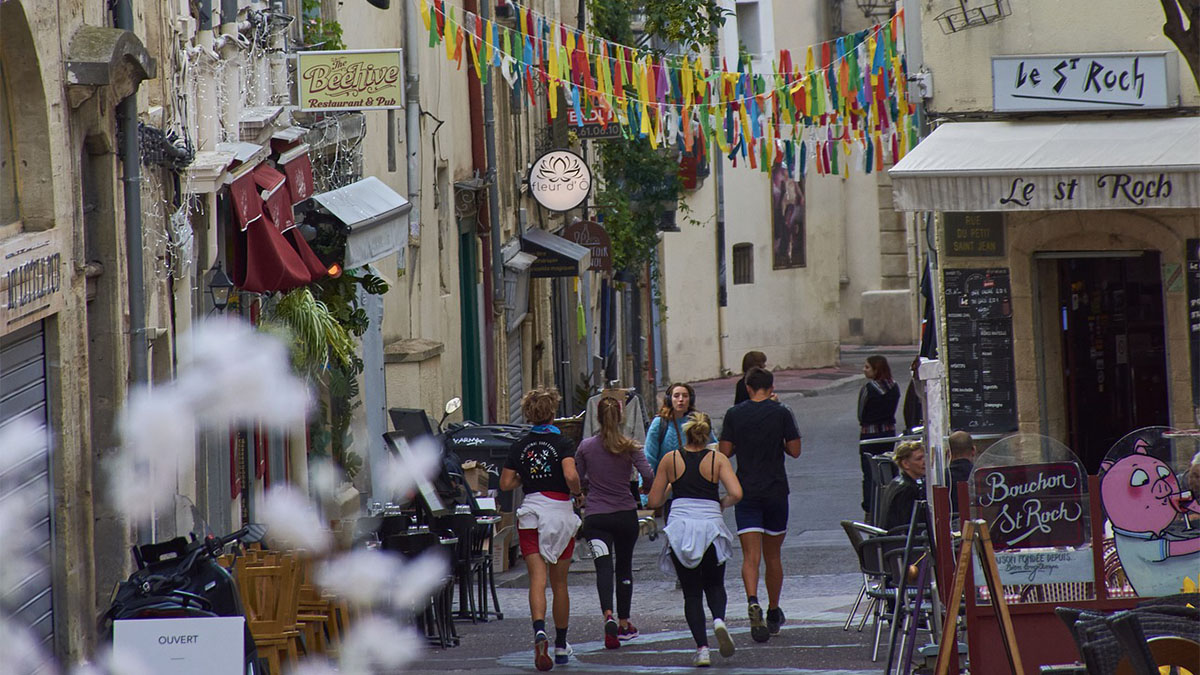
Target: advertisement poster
x=787, y=220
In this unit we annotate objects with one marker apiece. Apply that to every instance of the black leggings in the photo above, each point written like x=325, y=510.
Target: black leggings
x=707, y=579
x=616, y=533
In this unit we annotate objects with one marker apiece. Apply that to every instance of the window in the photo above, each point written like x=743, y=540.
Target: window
x=749, y=28
x=743, y=263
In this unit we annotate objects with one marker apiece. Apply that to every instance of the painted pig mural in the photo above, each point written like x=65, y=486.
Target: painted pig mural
x=1142, y=499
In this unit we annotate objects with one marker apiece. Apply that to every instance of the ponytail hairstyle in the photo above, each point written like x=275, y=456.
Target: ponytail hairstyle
x=608, y=410
x=665, y=411
x=698, y=430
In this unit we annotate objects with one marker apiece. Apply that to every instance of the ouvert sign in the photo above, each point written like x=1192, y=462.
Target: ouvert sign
x=1123, y=81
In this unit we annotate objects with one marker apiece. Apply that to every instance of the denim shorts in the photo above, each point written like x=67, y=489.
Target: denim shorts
x=768, y=515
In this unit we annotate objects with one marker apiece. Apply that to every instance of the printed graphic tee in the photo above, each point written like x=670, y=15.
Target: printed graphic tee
x=537, y=458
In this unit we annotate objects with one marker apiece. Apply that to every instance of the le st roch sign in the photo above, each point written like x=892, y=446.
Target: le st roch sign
x=367, y=79
x=1122, y=81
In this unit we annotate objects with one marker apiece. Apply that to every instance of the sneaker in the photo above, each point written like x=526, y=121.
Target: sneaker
x=611, y=638
x=775, y=619
x=758, y=627
x=724, y=639
x=562, y=655
x=627, y=632
x=541, y=652
x=702, y=659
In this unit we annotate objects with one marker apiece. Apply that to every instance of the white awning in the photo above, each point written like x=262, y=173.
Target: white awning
x=1038, y=166
x=374, y=216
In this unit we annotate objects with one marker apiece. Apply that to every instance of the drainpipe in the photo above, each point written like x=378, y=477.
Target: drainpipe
x=131, y=162
x=722, y=293
x=412, y=113
x=489, y=133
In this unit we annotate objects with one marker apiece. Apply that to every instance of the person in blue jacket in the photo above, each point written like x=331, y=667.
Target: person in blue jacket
x=679, y=406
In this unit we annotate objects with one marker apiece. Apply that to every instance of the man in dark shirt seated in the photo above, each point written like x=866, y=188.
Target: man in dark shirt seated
x=962, y=460
x=907, y=488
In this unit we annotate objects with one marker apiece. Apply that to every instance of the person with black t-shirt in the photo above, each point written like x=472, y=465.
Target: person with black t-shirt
x=760, y=431
x=543, y=463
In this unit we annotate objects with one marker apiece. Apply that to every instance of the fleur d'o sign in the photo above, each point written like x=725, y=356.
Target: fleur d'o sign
x=560, y=180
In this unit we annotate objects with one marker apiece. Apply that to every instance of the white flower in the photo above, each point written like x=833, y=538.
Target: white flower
x=311, y=667
x=114, y=662
x=421, y=578
x=21, y=446
x=292, y=520
x=20, y=652
x=363, y=577
x=378, y=645
x=324, y=479
x=421, y=458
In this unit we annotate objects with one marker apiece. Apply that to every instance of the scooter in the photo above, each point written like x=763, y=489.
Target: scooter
x=182, y=578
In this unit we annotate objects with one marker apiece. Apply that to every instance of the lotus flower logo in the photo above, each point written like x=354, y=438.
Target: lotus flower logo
x=560, y=180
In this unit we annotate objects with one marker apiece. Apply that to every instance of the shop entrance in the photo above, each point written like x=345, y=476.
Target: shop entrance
x=1114, y=362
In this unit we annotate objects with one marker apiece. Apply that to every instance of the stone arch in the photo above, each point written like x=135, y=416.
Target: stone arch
x=28, y=114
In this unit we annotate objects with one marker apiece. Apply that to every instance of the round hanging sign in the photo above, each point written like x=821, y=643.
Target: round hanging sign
x=560, y=180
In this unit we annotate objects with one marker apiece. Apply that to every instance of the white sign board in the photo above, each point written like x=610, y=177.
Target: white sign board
x=1040, y=566
x=560, y=180
x=1124, y=81
x=185, y=646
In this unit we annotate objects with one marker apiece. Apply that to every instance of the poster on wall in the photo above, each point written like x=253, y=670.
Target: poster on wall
x=787, y=220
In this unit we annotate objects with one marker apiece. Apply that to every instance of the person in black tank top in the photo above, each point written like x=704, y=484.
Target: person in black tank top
x=698, y=550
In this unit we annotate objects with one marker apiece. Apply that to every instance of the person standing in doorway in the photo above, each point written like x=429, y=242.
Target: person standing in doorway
x=760, y=431
x=698, y=542
x=877, y=402
x=610, y=523
x=750, y=360
x=543, y=463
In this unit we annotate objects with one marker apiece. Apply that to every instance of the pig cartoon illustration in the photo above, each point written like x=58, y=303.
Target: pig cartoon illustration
x=1142, y=499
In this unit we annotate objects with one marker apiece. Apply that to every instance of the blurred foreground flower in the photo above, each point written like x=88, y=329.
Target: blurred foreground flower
x=21, y=444
x=292, y=520
x=376, y=645
x=369, y=578
x=20, y=653
x=420, y=458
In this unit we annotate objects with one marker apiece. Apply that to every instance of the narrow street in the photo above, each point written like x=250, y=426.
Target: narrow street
x=821, y=572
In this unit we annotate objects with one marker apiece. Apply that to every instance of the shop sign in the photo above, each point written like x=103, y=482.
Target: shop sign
x=1124, y=81
x=1047, y=566
x=597, y=123
x=367, y=79
x=184, y=646
x=1113, y=190
x=560, y=180
x=1032, y=505
x=974, y=235
x=1193, y=309
x=31, y=278
x=592, y=235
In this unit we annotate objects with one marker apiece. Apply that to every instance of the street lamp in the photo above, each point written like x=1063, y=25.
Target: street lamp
x=219, y=287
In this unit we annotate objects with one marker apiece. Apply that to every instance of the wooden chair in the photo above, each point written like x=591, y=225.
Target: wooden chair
x=270, y=600
x=314, y=612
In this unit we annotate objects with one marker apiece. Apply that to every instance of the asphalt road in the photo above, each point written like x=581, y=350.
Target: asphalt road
x=821, y=579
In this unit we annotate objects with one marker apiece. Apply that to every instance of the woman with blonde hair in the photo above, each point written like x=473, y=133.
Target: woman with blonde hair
x=543, y=463
x=698, y=541
x=610, y=523
x=906, y=489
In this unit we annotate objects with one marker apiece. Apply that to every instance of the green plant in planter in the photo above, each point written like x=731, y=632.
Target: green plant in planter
x=317, y=32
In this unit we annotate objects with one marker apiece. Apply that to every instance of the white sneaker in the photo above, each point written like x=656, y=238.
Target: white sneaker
x=562, y=655
x=702, y=659
x=724, y=639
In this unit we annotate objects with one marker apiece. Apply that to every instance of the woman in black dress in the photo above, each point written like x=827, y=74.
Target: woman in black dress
x=877, y=402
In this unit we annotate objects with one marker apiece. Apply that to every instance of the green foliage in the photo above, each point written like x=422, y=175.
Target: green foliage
x=314, y=333
x=318, y=33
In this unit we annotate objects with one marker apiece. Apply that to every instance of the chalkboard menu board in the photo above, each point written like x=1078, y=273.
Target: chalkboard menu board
x=1193, y=296
x=983, y=396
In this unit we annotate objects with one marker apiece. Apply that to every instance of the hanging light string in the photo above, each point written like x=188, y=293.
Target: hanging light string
x=857, y=96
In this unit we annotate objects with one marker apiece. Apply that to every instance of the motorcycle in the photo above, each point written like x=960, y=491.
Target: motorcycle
x=181, y=578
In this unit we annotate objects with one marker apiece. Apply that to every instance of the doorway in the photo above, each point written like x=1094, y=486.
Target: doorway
x=1114, y=359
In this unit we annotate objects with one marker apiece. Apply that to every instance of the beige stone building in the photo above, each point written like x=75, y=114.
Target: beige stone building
x=1062, y=181
x=728, y=290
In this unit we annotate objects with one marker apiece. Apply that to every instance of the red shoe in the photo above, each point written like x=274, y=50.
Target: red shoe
x=611, y=635
x=627, y=632
x=541, y=653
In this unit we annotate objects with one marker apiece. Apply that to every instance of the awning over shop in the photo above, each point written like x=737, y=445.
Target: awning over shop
x=375, y=218
x=556, y=257
x=1038, y=166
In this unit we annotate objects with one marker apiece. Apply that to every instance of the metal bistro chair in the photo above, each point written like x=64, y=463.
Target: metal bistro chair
x=857, y=533
x=883, y=594
x=883, y=470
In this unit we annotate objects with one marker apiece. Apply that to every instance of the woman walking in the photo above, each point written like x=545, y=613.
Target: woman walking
x=543, y=463
x=750, y=360
x=877, y=402
x=698, y=542
x=610, y=522
x=679, y=405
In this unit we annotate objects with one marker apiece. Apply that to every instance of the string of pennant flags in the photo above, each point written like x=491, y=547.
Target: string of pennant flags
x=846, y=107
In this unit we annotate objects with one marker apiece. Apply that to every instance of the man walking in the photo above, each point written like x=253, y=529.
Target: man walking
x=759, y=431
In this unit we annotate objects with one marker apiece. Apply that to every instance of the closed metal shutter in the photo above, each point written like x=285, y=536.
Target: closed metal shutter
x=23, y=397
x=515, y=382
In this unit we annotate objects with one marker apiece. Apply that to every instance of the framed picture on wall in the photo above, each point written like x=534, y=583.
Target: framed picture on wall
x=787, y=220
